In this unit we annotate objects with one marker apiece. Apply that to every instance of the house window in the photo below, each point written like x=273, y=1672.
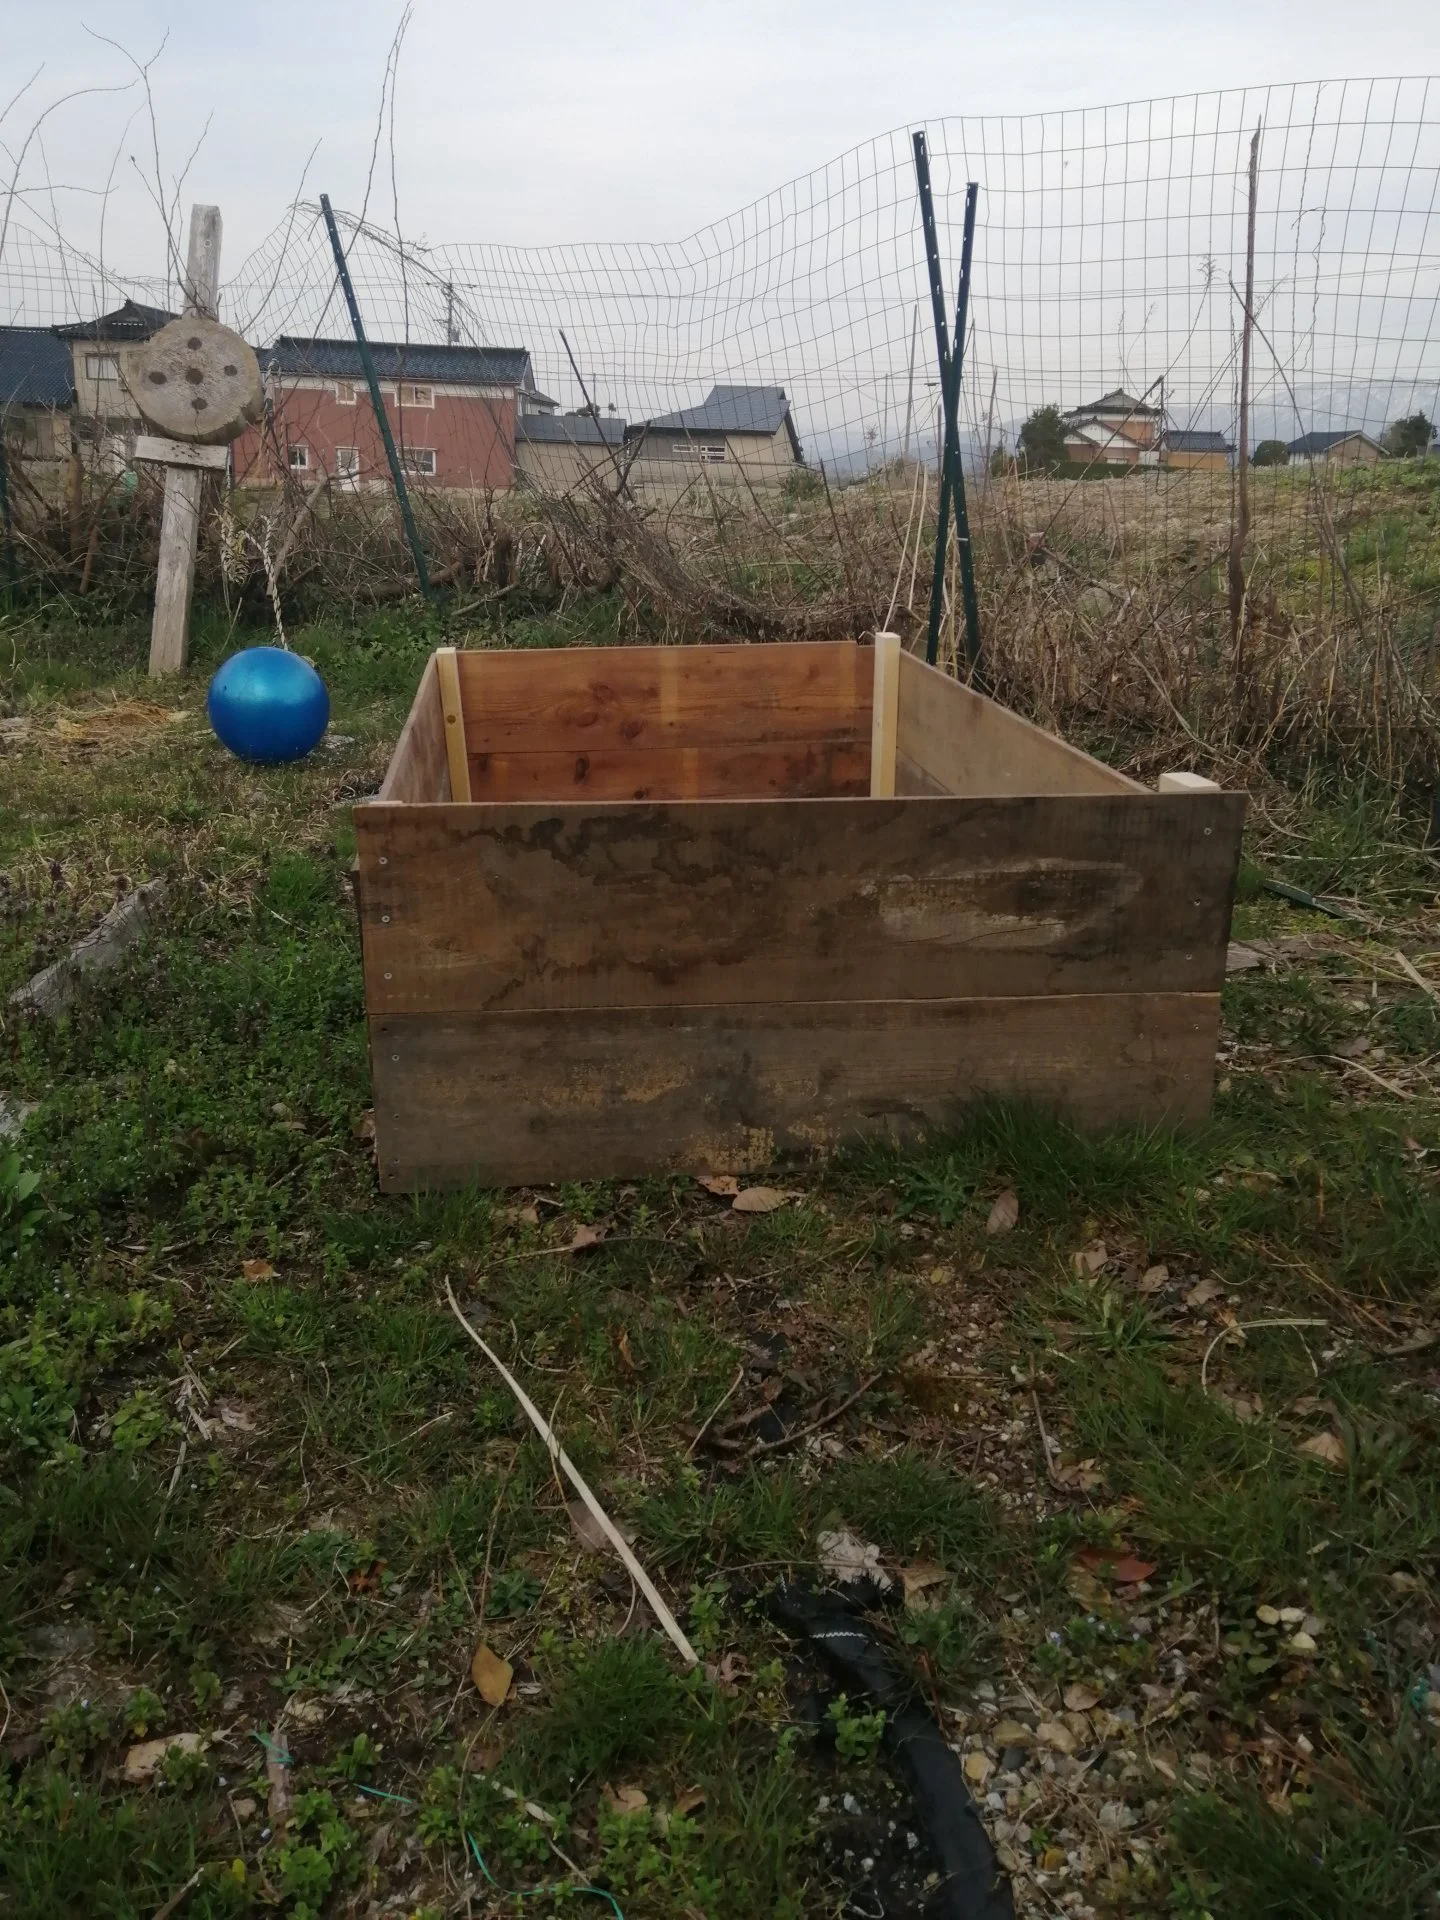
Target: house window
x=712, y=456
x=419, y=459
x=416, y=396
x=299, y=458
x=344, y=393
x=101, y=366
x=347, y=461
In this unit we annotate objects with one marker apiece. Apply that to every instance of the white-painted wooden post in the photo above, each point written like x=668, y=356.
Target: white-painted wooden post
x=180, y=524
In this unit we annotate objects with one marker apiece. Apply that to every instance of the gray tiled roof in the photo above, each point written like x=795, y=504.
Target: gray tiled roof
x=35, y=368
x=1188, y=440
x=1322, y=442
x=1117, y=402
x=133, y=321
x=569, y=429
x=456, y=366
x=729, y=410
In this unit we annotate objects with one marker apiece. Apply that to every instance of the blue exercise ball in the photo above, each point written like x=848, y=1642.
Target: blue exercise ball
x=268, y=705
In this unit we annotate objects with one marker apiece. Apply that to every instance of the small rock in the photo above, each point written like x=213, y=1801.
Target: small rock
x=1012, y=1759
x=978, y=1768
x=142, y=1761
x=1302, y=1643
x=1010, y=1733
x=1268, y=1616
x=244, y=1807
x=1292, y=1616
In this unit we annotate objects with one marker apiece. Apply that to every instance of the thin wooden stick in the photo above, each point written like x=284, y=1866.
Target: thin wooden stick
x=572, y=1473
x=825, y=1420
x=1414, y=974
x=709, y=1419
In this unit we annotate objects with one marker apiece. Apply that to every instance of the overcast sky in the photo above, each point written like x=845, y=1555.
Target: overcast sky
x=588, y=119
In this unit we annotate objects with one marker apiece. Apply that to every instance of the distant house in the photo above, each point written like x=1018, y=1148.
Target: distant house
x=557, y=451
x=37, y=394
x=735, y=431
x=454, y=413
x=1349, y=448
x=1183, y=447
x=1115, y=428
x=102, y=353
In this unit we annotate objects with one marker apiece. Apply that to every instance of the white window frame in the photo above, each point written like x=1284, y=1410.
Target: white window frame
x=298, y=457
x=345, y=395
x=414, y=460
x=102, y=366
x=411, y=393
x=347, y=463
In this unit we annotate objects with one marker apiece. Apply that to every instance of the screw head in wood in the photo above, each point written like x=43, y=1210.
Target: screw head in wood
x=385, y=918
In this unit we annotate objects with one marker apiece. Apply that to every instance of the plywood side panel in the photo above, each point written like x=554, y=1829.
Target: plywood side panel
x=971, y=745
x=519, y=1098
x=419, y=768
x=794, y=770
x=592, y=699
x=482, y=908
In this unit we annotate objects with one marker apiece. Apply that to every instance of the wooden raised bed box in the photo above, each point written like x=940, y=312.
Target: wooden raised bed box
x=630, y=909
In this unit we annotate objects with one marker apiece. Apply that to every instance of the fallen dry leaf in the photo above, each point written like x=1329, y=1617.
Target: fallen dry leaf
x=978, y=1768
x=723, y=1185
x=366, y=1579
x=622, y=1347
x=364, y=1127
x=1004, y=1213
x=920, y=1579
x=491, y=1675
x=1090, y=1259
x=1126, y=1572
x=1050, y=1733
x=233, y=1413
x=528, y=1216
x=758, y=1200
x=257, y=1269
x=585, y=1236
x=624, y=1799
x=142, y=1762
x=588, y=1530
x=1080, y=1697
x=1328, y=1447
x=688, y=1801
x=1203, y=1292
x=1154, y=1278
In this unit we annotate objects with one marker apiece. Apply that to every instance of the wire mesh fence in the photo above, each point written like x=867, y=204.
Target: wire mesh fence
x=1100, y=407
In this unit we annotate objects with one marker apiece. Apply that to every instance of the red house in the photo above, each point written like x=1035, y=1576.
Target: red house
x=452, y=411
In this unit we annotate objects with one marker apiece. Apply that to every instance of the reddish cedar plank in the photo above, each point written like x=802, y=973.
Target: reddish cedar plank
x=674, y=773
x=586, y=699
x=419, y=769
x=483, y=908
x=511, y=1099
x=970, y=745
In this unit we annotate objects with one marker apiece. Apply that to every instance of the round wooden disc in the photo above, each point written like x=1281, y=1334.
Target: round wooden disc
x=196, y=380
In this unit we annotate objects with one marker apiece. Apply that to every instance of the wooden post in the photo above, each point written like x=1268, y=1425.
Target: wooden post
x=453, y=708
x=884, y=716
x=1185, y=783
x=180, y=524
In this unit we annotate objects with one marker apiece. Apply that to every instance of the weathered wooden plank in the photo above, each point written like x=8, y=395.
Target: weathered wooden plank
x=419, y=768
x=488, y=907
x=970, y=745
x=791, y=770
x=915, y=783
x=533, y=1097
x=585, y=699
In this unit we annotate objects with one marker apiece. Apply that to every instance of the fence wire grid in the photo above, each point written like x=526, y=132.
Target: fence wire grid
x=1110, y=254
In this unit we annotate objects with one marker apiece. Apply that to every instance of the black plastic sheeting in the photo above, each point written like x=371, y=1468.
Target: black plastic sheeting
x=972, y=1886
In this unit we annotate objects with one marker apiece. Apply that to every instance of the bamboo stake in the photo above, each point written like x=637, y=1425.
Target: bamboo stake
x=572, y=1473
